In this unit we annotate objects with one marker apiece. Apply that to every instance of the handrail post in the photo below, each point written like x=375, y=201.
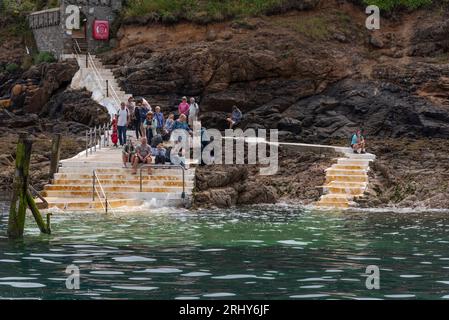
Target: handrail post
x=99, y=137
x=90, y=140
x=93, y=185
x=141, y=189
x=106, y=204
x=87, y=59
x=107, y=88
x=183, y=195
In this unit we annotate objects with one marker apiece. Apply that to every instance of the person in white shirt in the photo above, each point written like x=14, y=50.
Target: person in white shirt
x=193, y=112
x=122, y=123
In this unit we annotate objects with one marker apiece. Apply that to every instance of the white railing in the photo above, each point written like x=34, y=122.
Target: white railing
x=97, y=136
x=97, y=75
x=106, y=205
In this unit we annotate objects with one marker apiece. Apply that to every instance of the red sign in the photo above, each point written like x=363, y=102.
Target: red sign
x=101, y=30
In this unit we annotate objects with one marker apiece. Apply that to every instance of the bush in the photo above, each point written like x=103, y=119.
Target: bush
x=389, y=5
x=44, y=57
x=203, y=11
x=12, y=67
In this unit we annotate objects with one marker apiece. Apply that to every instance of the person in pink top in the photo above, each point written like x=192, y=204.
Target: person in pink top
x=184, y=107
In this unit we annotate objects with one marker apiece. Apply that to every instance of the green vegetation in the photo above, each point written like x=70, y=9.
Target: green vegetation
x=12, y=67
x=44, y=57
x=389, y=5
x=203, y=11
x=20, y=7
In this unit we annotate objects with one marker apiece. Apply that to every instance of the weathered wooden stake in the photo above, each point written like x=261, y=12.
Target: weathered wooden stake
x=37, y=216
x=17, y=210
x=21, y=197
x=55, y=155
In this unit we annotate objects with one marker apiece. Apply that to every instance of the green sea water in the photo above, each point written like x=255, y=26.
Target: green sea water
x=265, y=252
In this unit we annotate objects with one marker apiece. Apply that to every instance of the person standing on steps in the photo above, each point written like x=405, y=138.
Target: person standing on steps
x=194, y=110
x=131, y=106
x=150, y=126
x=144, y=109
x=184, y=107
x=122, y=123
x=137, y=120
x=114, y=135
x=159, y=116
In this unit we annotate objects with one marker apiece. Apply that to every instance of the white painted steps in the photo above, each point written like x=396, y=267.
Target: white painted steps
x=93, y=77
x=346, y=180
x=72, y=187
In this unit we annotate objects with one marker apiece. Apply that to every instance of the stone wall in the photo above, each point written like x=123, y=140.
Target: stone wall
x=47, y=30
x=95, y=10
x=49, y=25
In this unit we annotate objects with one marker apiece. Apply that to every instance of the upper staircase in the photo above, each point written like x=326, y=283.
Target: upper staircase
x=98, y=79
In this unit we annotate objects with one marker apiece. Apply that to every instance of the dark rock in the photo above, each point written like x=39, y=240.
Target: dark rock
x=207, y=179
x=254, y=193
x=76, y=106
x=290, y=124
x=376, y=42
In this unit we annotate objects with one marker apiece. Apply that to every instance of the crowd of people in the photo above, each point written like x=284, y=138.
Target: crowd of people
x=152, y=128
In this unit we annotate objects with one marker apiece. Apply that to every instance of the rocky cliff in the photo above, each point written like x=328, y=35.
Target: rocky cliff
x=315, y=75
x=41, y=105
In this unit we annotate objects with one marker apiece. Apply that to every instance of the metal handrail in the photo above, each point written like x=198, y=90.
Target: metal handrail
x=98, y=78
x=92, y=138
x=162, y=166
x=106, y=205
x=97, y=74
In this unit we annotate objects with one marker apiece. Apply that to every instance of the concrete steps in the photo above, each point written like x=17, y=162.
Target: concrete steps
x=86, y=204
x=93, y=77
x=115, y=195
x=127, y=182
x=72, y=187
x=346, y=180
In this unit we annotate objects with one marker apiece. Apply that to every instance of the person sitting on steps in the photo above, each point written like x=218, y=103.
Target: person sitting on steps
x=128, y=152
x=235, y=117
x=143, y=155
x=159, y=154
x=358, y=142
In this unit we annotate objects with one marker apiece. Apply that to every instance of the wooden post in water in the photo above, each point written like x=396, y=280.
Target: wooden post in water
x=21, y=197
x=55, y=155
x=17, y=210
x=37, y=216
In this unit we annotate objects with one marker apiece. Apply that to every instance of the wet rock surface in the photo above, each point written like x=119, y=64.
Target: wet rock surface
x=297, y=179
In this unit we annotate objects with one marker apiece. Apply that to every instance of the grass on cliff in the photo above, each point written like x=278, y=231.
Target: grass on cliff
x=203, y=11
x=389, y=5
